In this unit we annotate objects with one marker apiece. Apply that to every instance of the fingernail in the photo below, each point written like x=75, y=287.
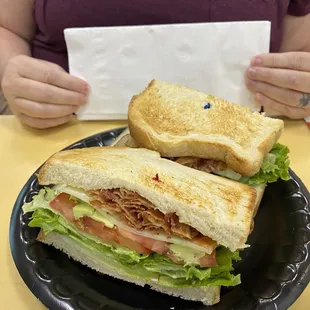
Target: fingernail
x=256, y=61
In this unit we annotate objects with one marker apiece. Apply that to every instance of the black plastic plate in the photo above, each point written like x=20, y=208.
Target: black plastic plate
x=275, y=269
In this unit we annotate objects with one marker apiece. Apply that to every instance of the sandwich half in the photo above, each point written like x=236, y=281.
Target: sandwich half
x=208, y=133
x=133, y=215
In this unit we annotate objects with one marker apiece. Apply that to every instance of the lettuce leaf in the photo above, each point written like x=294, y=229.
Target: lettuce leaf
x=163, y=265
x=41, y=200
x=152, y=267
x=275, y=166
x=48, y=221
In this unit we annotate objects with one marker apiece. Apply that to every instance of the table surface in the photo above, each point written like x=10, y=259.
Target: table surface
x=23, y=150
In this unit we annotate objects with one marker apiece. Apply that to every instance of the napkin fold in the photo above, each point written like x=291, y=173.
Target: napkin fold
x=119, y=62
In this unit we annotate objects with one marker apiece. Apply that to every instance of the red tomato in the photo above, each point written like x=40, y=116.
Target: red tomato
x=208, y=260
x=64, y=205
x=98, y=229
x=149, y=243
x=129, y=235
x=132, y=245
x=160, y=247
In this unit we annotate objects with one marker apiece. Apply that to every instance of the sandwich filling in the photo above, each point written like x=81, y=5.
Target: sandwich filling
x=202, y=164
x=141, y=214
x=130, y=230
x=275, y=165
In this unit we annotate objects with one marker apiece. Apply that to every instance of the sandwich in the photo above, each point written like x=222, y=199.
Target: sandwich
x=130, y=214
x=208, y=133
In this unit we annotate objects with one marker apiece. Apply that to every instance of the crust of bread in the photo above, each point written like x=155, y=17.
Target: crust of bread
x=171, y=119
x=260, y=190
x=217, y=207
x=96, y=261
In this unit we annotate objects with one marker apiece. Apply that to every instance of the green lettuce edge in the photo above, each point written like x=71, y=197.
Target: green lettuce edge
x=275, y=166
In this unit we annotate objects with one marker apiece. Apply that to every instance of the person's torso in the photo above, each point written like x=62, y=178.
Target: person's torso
x=53, y=16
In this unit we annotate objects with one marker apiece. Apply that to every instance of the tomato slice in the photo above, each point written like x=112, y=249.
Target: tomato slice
x=130, y=244
x=149, y=243
x=64, y=205
x=129, y=235
x=160, y=247
x=98, y=229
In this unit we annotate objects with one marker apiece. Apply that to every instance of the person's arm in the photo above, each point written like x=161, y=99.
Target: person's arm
x=296, y=34
x=41, y=94
x=17, y=29
x=281, y=81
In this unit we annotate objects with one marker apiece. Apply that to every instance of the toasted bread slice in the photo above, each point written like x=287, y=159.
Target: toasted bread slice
x=96, y=260
x=217, y=207
x=177, y=121
x=125, y=139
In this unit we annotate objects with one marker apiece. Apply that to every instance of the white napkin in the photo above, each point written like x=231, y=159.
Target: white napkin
x=119, y=62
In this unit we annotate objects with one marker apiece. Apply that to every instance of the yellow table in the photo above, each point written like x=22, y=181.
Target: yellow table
x=22, y=150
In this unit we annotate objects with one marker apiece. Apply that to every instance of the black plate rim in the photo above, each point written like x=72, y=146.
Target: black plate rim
x=298, y=290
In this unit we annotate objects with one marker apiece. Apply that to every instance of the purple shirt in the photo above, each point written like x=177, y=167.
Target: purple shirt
x=53, y=16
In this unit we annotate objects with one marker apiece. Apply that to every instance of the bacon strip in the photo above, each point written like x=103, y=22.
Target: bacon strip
x=202, y=164
x=141, y=214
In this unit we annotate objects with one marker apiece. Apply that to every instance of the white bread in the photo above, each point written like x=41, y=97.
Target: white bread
x=91, y=259
x=172, y=120
x=217, y=207
x=125, y=139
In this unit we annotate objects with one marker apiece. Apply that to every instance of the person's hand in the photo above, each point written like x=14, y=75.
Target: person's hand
x=281, y=83
x=41, y=94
